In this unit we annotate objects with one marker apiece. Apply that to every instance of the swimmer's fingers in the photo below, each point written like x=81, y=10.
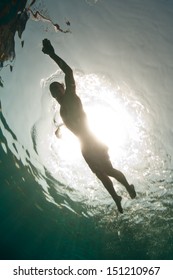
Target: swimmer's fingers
x=47, y=47
x=46, y=42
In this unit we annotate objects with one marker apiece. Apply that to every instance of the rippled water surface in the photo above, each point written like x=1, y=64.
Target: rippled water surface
x=52, y=205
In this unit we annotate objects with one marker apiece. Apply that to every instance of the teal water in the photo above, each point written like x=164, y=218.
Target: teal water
x=33, y=228
x=51, y=205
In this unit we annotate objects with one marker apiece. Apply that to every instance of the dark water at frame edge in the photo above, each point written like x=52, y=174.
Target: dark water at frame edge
x=47, y=232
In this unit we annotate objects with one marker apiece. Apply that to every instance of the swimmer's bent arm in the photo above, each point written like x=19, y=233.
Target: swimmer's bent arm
x=48, y=49
x=69, y=79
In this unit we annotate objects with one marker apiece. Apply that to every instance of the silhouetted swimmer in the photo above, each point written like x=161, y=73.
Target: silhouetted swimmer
x=94, y=152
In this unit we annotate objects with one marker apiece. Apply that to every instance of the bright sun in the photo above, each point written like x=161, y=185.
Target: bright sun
x=112, y=125
x=107, y=124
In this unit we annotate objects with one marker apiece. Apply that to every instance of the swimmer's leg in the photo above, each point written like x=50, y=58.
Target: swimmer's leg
x=119, y=176
x=109, y=187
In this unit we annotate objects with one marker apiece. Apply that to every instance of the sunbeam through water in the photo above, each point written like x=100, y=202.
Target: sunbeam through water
x=52, y=205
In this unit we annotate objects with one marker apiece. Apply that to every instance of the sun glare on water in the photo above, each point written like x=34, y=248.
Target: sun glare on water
x=118, y=118
x=112, y=116
x=112, y=125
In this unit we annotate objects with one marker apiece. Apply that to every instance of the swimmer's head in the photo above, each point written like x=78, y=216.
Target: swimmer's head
x=57, y=91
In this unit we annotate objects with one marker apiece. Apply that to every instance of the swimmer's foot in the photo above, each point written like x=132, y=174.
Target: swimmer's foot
x=131, y=191
x=118, y=203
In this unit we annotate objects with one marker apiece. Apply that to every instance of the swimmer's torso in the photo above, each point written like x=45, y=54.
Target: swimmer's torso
x=73, y=114
x=74, y=117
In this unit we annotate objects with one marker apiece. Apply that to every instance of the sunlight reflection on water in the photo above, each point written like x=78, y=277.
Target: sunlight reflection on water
x=121, y=122
x=133, y=117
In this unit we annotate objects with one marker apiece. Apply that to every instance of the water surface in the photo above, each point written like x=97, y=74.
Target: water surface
x=52, y=206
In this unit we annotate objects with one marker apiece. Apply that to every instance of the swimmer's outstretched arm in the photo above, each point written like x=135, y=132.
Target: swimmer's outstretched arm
x=48, y=49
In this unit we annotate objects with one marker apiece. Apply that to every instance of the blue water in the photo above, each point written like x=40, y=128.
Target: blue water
x=52, y=206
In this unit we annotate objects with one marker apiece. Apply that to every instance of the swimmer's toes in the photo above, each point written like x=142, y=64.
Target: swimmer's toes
x=132, y=191
x=120, y=210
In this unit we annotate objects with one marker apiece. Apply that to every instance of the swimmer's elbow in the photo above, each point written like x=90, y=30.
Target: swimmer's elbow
x=68, y=71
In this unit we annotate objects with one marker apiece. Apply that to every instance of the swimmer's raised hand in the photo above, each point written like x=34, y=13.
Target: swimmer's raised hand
x=47, y=47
